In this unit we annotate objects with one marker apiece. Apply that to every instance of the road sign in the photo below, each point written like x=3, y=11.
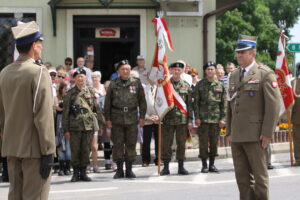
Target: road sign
x=293, y=47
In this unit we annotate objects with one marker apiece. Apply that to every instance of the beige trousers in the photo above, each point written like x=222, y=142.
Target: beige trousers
x=25, y=180
x=249, y=159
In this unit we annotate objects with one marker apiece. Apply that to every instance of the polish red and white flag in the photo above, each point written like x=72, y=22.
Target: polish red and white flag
x=283, y=78
x=166, y=96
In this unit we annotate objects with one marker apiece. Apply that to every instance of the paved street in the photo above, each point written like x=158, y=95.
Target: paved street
x=284, y=184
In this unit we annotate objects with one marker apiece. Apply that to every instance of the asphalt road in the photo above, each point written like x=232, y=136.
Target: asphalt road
x=284, y=184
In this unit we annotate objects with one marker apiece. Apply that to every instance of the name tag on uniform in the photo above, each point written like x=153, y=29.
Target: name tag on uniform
x=132, y=89
x=183, y=88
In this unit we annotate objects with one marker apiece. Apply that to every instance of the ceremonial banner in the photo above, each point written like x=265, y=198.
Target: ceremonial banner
x=283, y=78
x=166, y=96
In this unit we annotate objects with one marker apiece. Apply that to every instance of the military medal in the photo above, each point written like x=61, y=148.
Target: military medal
x=251, y=93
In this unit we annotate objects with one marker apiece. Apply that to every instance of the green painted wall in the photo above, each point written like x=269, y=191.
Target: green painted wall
x=186, y=34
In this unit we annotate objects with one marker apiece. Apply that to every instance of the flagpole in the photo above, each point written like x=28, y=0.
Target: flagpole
x=290, y=137
x=159, y=148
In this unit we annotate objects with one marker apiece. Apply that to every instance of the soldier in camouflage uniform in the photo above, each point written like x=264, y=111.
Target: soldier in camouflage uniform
x=80, y=105
x=124, y=109
x=176, y=121
x=210, y=107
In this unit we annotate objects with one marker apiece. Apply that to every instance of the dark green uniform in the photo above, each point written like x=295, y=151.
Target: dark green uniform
x=210, y=107
x=124, y=104
x=176, y=121
x=78, y=120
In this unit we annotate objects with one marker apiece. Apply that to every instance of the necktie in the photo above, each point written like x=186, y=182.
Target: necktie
x=242, y=74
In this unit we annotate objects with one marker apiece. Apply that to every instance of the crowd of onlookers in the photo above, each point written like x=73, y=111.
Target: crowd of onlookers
x=62, y=79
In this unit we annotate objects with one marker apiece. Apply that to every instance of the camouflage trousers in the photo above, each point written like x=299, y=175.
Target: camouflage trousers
x=124, y=138
x=208, y=134
x=167, y=137
x=296, y=141
x=80, y=147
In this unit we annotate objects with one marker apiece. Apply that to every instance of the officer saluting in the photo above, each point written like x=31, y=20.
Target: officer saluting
x=125, y=97
x=80, y=114
x=253, y=112
x=26, y=118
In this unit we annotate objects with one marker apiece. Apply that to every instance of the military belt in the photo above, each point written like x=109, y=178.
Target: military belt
x=125, y=109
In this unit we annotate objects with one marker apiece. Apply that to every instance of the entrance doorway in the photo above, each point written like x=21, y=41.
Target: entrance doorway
x=106, y=51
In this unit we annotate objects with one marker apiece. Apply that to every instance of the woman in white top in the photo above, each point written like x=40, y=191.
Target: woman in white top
x=100, y=95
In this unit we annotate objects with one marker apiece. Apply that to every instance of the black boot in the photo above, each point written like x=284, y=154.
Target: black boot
x=67, y=170
x=204, y=166
x=5, y=171
x=83, y=175
x=61, y=168
x=181, y=169
x=212, y=167
x=75, y=176
x=165, y=170
x=119, y=173
x=129, y=173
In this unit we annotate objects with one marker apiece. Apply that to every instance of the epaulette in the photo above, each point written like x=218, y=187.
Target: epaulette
x=264, y=67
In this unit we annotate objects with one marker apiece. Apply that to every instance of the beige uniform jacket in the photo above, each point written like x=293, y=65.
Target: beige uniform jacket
x=296, y=107
x=26, y=134
x=255, y=109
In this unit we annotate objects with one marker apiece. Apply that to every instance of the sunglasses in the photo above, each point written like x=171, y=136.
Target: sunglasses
x=68, y=63
x=53, y=75
x=193, y=75
x=61, y=76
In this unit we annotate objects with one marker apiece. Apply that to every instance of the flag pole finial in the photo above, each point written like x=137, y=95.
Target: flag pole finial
x=282, y=25
x=160, y=13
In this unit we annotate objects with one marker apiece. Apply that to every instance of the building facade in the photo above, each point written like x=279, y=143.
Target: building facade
x=106, y=31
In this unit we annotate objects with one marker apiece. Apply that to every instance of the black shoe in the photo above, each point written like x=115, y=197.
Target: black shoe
x=61, y=168
x=270, y=166
x=119, y=173
x=75, y=176
x=204, y=166
x=212, y=167
x=67, y=170
x=181, y=169
x=165, y=170
x=129, y=173
x=107, y=166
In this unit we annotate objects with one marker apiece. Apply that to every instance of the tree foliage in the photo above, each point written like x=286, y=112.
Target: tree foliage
x=258, y=18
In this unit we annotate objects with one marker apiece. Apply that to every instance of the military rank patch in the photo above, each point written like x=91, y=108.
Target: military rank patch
x=274, y=84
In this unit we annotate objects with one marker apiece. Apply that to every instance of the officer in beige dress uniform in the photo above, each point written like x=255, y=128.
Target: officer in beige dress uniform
x=296, y=121
x=252, y=115
x=26, y=118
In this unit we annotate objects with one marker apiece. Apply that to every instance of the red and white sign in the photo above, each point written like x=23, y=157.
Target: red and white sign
x=283, y=78
x=107, y=32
